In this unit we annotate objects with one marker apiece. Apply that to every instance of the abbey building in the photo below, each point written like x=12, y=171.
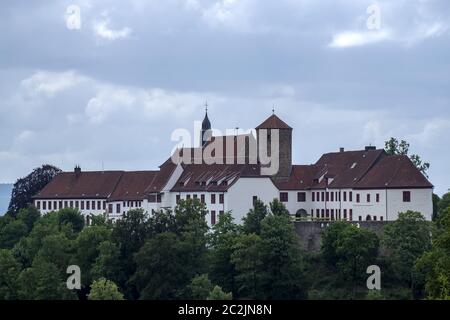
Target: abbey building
x=356, y=185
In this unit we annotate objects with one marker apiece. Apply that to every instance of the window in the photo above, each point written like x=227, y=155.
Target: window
x=99, y=205
x=220, y=212
x=158, y=198
x=202, y=198
x=44, y=205
x=213, y=217
x=88, y=205
x=152, y=198
x=195, y=196
x=374, y=218
x=77, y=204
x=178, y=197
x=71, y=204
x=38, y=205
x=378, y=197
x=104, y=205
x=351, y=215
x=322, y=213
x=118, y=208
x=301, y=196
x=327, y=211
x=317, y=213
x=360, y=218
x=368, y=197
x=65, y=204
x=313, y=196
x=332, y=214
x=82, y=204
x=328, y=196
x=110, y=208
x=358, y=198
x=213, y=199
x=345, y=196
x=49, y=205
x=350, y=196
x=284, y=197
x=332, y=197
x=323, y=196
x=60, y=205
x=188, y=196
x=221, y=198
x=345, y=214
x=381, y=218
x=406, y=196
x=93, y=205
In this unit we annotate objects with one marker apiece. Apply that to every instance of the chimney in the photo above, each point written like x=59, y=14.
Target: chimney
x=368, y=148
x=77, y=171
x=341, y=149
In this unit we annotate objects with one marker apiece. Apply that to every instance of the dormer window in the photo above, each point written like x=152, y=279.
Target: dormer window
x=353, y=165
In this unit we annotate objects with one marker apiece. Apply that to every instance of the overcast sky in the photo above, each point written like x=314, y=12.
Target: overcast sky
x=113, y=90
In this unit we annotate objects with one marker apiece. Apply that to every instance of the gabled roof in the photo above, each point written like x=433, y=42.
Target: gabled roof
x=132, y=185
x=301, y=178
x=394, y=172
x=345, y=169
x=91, y=184
x=214, y=177
x=273, y=122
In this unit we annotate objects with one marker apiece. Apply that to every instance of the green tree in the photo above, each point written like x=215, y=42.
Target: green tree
x=199, y=288
x=435, y=264
x=43, y=281
x=444, y=203
x=103, y=289
x=87, y=248
x=278, y=208
x=349, y=250
x=29, y=216
x=282, y=276
x=357, y=249
x=130, y=233
x=246, y=258
x=162, y=221
x=436, y=200
x=108, y=264
x=72, y=219
x=407, y=238
x=252, y=222
x=218, y=294
x=162, y=268
x=9, y=272
x=221, y=242
x=25, y=188
x=11, y=233
x=394, y=147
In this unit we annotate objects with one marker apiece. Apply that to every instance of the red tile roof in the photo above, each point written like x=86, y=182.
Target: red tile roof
x=132, y=185
x=214, y=177
x=394, y=172
x=92, y=185
x=273, y=122
x=301, y=178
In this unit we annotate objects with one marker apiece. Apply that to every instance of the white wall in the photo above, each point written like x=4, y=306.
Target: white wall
x=421, y=201
x=240, y=195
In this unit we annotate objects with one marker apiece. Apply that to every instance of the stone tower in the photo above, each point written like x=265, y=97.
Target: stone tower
x=285, y=143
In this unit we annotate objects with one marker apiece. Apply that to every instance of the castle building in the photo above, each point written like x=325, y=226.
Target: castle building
x=356, y=185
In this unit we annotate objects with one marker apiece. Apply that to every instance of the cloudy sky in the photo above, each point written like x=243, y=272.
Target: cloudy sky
x=110, y=90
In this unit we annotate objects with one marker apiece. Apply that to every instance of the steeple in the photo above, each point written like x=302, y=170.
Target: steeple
x=206, y=127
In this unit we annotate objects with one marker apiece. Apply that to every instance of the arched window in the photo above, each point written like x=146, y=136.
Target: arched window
x=301, y=214
x=368, y=217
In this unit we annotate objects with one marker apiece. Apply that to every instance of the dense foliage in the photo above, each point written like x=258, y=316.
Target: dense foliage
x=174, y=255
x=27, y=187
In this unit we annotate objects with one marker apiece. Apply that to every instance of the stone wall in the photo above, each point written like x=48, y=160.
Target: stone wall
x=310, y=232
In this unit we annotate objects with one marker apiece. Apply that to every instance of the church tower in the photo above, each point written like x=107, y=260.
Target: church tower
x=206, y=132
x=285, y=143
